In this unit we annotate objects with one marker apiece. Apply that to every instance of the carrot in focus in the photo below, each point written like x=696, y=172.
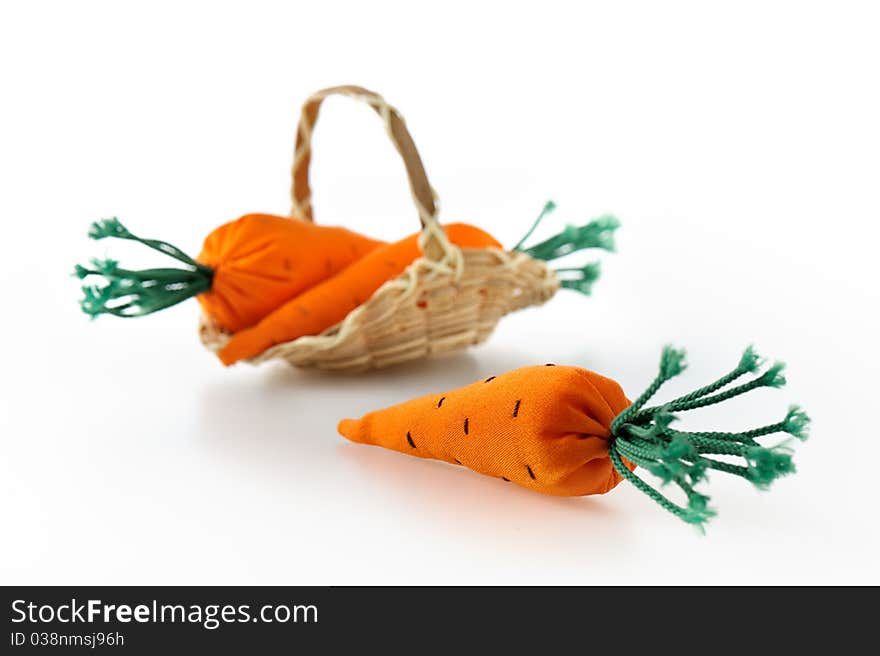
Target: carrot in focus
x=545, y=428
x=247, y=268
x=567, y=431
x=328, y=303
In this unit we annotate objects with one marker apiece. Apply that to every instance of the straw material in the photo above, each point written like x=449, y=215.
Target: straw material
x=447, y=300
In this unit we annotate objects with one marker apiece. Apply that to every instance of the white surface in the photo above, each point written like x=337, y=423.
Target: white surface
x=738, y=146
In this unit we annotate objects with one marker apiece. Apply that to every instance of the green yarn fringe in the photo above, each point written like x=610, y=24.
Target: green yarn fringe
x=644, y=436
x=109, y=289
x=598, y=233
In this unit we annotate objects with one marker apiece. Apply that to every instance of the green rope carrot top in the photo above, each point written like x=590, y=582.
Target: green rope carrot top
x=598, y=233
x=644, y=436
x=129, y=293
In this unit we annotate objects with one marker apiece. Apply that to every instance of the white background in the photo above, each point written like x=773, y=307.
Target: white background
x=739, y=144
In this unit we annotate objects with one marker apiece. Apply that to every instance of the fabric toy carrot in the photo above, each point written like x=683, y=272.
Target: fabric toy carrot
x=568, y=431
x=330, y=302
x=246, y=269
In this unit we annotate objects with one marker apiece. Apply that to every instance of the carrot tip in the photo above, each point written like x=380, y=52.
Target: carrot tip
x=348, y=428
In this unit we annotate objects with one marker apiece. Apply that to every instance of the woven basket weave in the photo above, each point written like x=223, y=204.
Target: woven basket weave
x=447, y=300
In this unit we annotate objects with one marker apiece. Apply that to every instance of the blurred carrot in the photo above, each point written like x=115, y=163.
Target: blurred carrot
x=246, y=269
x=330, y=302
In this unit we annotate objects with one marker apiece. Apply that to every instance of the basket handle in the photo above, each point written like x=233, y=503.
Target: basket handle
x=300, y=191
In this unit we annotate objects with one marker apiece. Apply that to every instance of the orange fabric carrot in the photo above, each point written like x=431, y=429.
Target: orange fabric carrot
x=567, y=431
x=261, y=261
x=330, y=302
x=543, y=427
x=246, y=269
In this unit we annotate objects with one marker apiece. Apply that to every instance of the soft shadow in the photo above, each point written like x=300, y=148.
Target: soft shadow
x=454, y=370
x=489, y=511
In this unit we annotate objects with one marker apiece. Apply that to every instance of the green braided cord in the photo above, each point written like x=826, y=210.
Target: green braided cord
x=720, y=447
x=113, y=228
x=644, y=437
x=671, y=364
x=745, y=437
x=548, y=208
x=796, y=424
x=599, y=233
x=748, y=363
x=580, y=279
x=764, y=466
x=135, y=293
x=667, y=471
x=697, y=503
x=129, y=293
x=690, y=515
x=726, y=467
x=773, y=377
x=666, y=460
x=640, y=454
x=768, y=464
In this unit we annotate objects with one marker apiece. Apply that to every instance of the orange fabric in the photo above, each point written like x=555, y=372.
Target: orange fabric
x=544, y=428
x=328, y=303
x=262, y=261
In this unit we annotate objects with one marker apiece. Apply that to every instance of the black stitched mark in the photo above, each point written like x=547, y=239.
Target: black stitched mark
x=413, y=444
x=489, y=379
x=440, y=402
x=531, y=473
x=465, y=425
x=516, y=407
x=549, y=364
x=457, y=460
x=504, y=478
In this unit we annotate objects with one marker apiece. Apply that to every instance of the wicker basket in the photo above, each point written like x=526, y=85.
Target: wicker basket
x=447, y=300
